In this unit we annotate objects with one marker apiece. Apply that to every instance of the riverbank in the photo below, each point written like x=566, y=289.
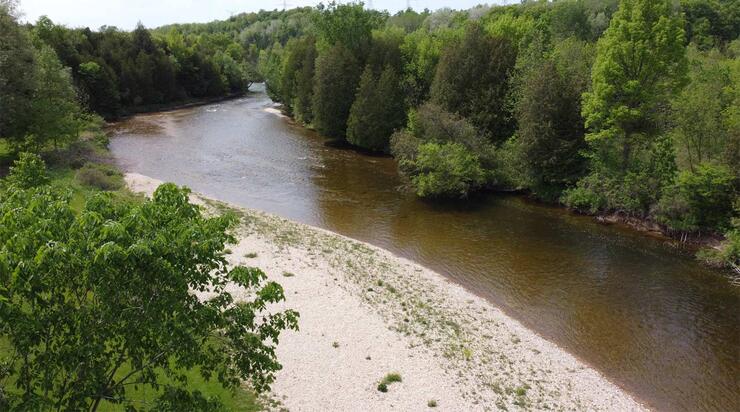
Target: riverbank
x=698, y=244
x=179, y=105
x=366, y=313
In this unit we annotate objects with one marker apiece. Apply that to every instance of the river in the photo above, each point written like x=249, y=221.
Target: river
x=649, y=317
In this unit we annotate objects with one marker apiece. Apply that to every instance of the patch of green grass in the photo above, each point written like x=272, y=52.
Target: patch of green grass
x=100, y=176
x=250, y=255
x=387, y=380
x=288, y=274
x=432, y=403
x=240, y=399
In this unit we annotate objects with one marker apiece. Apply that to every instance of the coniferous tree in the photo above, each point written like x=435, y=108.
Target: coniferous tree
x=377, y=111
x=472, y=79
x=17, y=80
x=337, y=74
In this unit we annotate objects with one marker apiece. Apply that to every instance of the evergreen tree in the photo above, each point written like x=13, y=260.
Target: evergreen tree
x=472, y=80
x=377, y=112
x=17, y=80
x=304, y=84
x=337, y=75
x=551, y=131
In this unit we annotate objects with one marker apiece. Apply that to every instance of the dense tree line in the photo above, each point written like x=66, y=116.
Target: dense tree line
x=607, y=106
x=115, y=72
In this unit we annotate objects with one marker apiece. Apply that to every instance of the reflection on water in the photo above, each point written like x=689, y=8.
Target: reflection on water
x=651, y=319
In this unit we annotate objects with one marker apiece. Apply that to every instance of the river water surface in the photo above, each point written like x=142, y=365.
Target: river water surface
x=648, y=317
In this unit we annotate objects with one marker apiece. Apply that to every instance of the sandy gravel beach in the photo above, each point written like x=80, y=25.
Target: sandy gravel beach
x=366, y=313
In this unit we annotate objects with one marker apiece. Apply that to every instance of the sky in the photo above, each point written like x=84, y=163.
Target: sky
x=152, y=13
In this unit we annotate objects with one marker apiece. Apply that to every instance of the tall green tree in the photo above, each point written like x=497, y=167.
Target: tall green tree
x=55, y=109
x=551, y=130
x=98, y=83
x=17, y=77
x=378, y=110
x=701, y=132
x=298, y=68
x=349, y=24
x=640, y=64
x=473, y=79
x=337, y=75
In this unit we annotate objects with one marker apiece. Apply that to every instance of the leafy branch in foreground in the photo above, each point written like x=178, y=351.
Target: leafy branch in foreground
x=124, y=295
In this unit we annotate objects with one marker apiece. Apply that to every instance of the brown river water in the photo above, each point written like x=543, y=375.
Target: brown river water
x=649, y=317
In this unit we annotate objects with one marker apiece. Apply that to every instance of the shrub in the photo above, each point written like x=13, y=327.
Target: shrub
x=100, y=176
x=443, y=154
x=392, y=377
x=702, y=198
x=28, y=171
x=447, y=170
x=387, y=380
x=728, y=253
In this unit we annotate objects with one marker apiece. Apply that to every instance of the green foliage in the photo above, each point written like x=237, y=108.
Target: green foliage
x=634, y=193
x=699, y=199
x=377, y=112
x=387, y=380
x=98, y=83
x=421, y=51
x=28, y=171
x=17, y=77
x=710, y=23
x=99, y=176
x=119, y=288
x=442, y=154
x=296, y=82
x=55, y=110
x=347, y=24
x=640, y=62
x=385, y=49
x=447, y=170
x=337, y=75
x=517, y=29
x=271, y=67
x=548, y=108
x=472, y=80
x=728, y=252
x=38, y=103
x=703, y=131
x=392, y=377
x=120, y=71
x=409, y=20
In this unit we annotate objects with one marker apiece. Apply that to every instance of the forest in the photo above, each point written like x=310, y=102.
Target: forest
x=627, y=108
